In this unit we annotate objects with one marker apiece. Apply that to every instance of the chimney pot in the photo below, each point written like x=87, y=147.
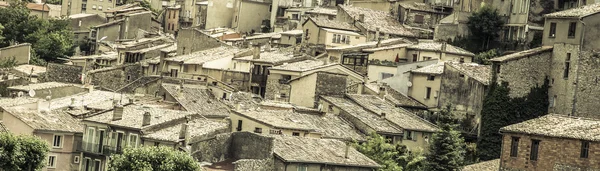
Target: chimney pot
x=147, y=118
x=117, y=113
x=383, y=115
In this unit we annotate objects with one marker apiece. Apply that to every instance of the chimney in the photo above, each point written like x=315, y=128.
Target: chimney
x=361, y=18
x=147, y=118
x=91, y=88
x=117, y=113
x=347, y=150
x=383, y=115
x=72, y=105
x=183, y=131
x=377, y=36
x=256, y=52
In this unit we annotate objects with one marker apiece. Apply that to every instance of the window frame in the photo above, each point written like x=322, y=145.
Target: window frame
x=53, y=164
x=567, y=67
x=572, y=30
x=514, y=146
x=296, y=134
x=430, y=77
x=61, y=140
x=258, y=130
x=129, y=140
x=535, y=150
x=427, y=92
x=552, y=31
x=585, y=150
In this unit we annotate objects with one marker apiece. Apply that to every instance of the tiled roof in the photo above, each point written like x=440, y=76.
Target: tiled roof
x=40, y=86
x=418, y=6
x=402, y=100
x=319, y=10
x=121, y=7
x=144, y=50
x=258, y=36
x=378, y=19
x=387, y=47
x=273, y=57
x=110, y=23
x=431, y=69
x=370, y=119
x=133, y=116
x=352, y=33
x=82, y=15
x=27, y=69
x=476, y=71
x=581, y=12
x=334, y=24
x=196, y=128
x=437, y=46
x=325, y=151
x=329, y=125
x=86, y=98
x=198, y=100
x=200, y=57
x=522, y=54
x=372, y=44
x=52, y=120
x=171, y=48
x=491, y=165
x=398, y=116
x=10, y=102
x=561, y=126
x=301, y=66
x=107, y=55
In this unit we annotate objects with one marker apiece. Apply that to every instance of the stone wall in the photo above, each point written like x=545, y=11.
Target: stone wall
x=63, y=73
x=191, y=40
x=212, y=150
x=246, y=145
x=275, y=89
x=429, y=19
x=21, y=53
x=254, y=164
x=551, y=152
x=525, y=73
x=114, y=78
x=137, y=21
x=445, y=32
x=587, y=92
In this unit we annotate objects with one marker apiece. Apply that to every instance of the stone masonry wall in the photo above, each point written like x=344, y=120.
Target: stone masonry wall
x=115, y=77
x=588, y=87
x=192, y=40
x=246, y=145
x=274, y=88
x=464, y=94
x=525, y=73
x=551, y=152
x=213, y=150
x=63, y=73
x=254, y=164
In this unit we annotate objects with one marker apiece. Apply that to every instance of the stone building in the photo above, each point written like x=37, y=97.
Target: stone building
x=376, y=24
x=566, y=60
x=191, y=40
x=420, y=15
x=251, y=16
x=199, y=99
x=171, y=19
x=551, y=142
x=323, y=33
x=81, y=24
x=301, y=83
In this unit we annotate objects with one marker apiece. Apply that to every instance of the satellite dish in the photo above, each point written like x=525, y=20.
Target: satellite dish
x=409, y=84
x=101, y=39
x=20, y=94
x=31, y=93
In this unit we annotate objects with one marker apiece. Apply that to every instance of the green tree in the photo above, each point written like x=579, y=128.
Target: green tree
x=447, y=149
x=8, y=63
x=1, y=28
x=484, y=25
x=411, y=161
x=153, y=158
x=484, y=57
x=22, y=152
x=381, y=152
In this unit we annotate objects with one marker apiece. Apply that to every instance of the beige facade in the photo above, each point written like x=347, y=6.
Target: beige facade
x=250, y=15
x=20, y=52
x=71, y=7
x=241, y=122
x=424, y=89
x=214, y=13
x=171, y=24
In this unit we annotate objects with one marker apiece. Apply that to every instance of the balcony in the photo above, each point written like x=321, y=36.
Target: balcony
x=91, y=148
x=109, y=150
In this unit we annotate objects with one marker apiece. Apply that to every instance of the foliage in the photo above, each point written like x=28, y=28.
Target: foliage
x=146, y=4
x=22, y=152
x=500, y=110
x=484, y=25
x=537, y=39
x=447, y=148
x=153, y=158
x=392, y=157
x=50, y=39
x=1, y=28
x=36, y=60
x=8, y=63
x=484, y=57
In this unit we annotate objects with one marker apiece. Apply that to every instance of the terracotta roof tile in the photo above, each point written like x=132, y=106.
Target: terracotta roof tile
x=198, y=100
x=582, y=11
x=561, y=126
x=378, y=19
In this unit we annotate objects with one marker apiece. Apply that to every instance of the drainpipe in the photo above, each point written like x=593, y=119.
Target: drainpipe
x=574, y=107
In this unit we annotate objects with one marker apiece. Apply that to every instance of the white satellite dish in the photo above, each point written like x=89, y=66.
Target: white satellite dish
x=31, y=93
x=409, y=84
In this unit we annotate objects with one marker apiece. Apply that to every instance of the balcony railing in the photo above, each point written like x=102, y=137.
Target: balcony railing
x=109, y=150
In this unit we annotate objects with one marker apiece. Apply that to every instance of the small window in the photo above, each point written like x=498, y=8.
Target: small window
x=409, y=135
x=428, y=95
x=386, y=75
x=76, y=159
x=51, y=162
x=461, y=75
x=156, y=144
x=239, y=125
x=419, y=19
x=295, y=17
x=535, y=146
x=415, y=58
x=57, y=141
x=552, y=32
x=585, y=149
x=295, y=134
x=572, y=28
x=283, y=95
x=462, y=60
x=133, y=139
x=258, y=130
x=514, y=147
x=431, y=77
x=93, y=6
x=302, y=167
x=567, y=66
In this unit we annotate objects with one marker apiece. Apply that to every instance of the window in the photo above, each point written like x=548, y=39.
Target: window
x=462, y=60
x=415, y=58
x=428, y=95
x=386, y=75
x=156, y=144
x=552, y=32
x=431, y=77
x=57, y=141
x=535, y=146
x=51, y=162
x=274, y=131
x=302, y=167
x=461, y=75
x=76, y=159
x=567, y=66
x=572, y=28
x=239, y=125
x=419, y=19
x=426, y=58
x=514, y=147
x=295, y=134
x=133, y=138
x=585, y=149
x=409, y=135
x=295, y=17
x=258, y=130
